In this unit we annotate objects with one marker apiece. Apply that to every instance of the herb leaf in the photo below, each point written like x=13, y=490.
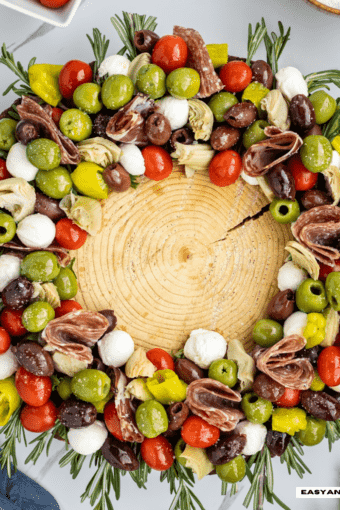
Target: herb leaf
x=100, y=46
x=7, y=59
x=275, y=45
x=13, y=431
x=322, y=79
x=254, y=40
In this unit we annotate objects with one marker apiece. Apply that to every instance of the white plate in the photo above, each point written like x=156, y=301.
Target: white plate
x=59, y=17
x=331, y=6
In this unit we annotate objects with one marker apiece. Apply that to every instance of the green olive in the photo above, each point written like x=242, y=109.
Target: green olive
x=314, y=432
x=64, y=388
x=284, y=211
x=7, y=133
x=40, y=266
x=151, y=80
x=75, y=124
x=324, y=106
x=220, y=103
x=316, y=153
x=7, y=228
x=255, y=133
x=117, y=90
x=37, y=315
x=333, y=290
x=183, y=83
x=311, y=296
x=267, y=332
x=151, y=418
x=233, y=471
x=256, y=409
x=224, y=370
x=90, y=385
x=86, y=98
x=43, y=154
x=56, y=183
x=66, y=283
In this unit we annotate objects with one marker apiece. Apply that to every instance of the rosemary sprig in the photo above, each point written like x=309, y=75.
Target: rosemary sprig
x=332, y=128
x=275, y=45
x=224, y=489
x=293, y=459
x=140, y=476
x=134, y=181
x=99, y=45
x=127, y=27
x=184, y=498
x=332, y=432
x=101, y=483
x=45, y=439
x=254, y=40
x=7, y=59
x=322, y=79
x=13, y=431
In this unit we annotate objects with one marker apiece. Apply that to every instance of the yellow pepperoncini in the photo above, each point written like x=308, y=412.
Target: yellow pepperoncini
x=88, y=180
x=100, y=404
x=289, y=420
x=315, y=329
x=336, y=143
x=9, y=399
x=255, y=92
x=166, y=387
x=43, y=80
x=218, y=54
x=317, y=383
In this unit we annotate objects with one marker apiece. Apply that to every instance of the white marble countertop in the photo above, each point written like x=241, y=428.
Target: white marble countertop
x=313, y=47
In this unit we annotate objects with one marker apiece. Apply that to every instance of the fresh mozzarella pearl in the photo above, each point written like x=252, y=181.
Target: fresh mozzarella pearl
x=335, y=388
x=255, y=436
x=9, y=270
x=250, y=180
x=115, y=348
x=18, y=164
x=291, y=82
x=335, y=159
x=295, y=324
x=290, y=276
x=203, y=347
x=175, y=110
x=132, y=160
x=36, y=231
x=115, y=64
x=8, y=364
x=88, y=440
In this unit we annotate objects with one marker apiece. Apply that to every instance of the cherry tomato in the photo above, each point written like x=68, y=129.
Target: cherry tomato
x=73, y=74
x=69, y=235
x=67, y=306
x=157, y=453
x=225, y=168
x=170, y=52
x=34, y=390
x=5, y=340
x=158, y=163
x=199, y=433
x=235, y=76
x=4, y=173
x=304, y=179
x=325, y=270
x=161, y=359
x=290, y=398
x=11, y=321
x=53, y=4
x=329, y=365
x=39, y=419
x=112, y=421
x=56, y=114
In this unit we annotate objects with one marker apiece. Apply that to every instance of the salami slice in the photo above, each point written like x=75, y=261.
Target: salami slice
x=63, y=256
x=198, y=59
x=318, y=229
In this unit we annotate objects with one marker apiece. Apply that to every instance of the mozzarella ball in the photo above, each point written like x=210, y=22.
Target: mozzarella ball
x=290, y=276
x=115, y=64
x=203, y=347
x=88, y=440
x=36, y=231
x=295, y=324
x=175, y=110
x=132, y=160
x=291, y=82
x=335, y=388
x=18, y=164
x=8, y=364
x=9, y=269
x=115, y=348
x=255, y=436
x=250, y=180
x=335, y=159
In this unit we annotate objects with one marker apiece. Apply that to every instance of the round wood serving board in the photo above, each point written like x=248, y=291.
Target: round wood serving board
x=173, y=257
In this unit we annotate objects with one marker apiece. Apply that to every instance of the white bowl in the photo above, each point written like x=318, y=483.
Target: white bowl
x=330, y=6
x=59, y=17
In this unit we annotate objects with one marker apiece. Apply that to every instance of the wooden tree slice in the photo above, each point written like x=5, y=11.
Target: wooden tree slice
x=171, y=258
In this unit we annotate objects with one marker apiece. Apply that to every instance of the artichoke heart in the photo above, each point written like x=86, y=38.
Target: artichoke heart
x=18, y=197
x=138, y=365
x=303, y=258
x=332, y=177
x=267, y=191
x=194, y=157
x=141, y=60
x=201, y=119
x=46, y=292
x=332, y=327
x=245, y=363
x=197, y=460
x=99, y=150
x=277, y=109
x=84, y=211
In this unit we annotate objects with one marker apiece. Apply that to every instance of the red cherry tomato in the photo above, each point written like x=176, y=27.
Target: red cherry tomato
x=235, y=76
x=157, y=453
x=170, y=52
x=199, y=433
x=225, y=168
x=73, y=74
x=112, y=421
x=34, y=390
x=329, y=365
x=5, y=340
x=290, y=398
x=325, y=270
x=161, y=359
x=69, y=235
x=67, y=306
x=11, y=321
x=53, y=4
x=39, y=419
x=56, y=115
x=4, y=173
x=158, y=163
x=304, y=179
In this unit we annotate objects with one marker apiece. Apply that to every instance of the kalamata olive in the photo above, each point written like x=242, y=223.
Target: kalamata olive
x=17, y=293
x=34, y=358
x=116, y=177
x=109, y=314
x=183, y=135
x=277, y=442
x=314, y=198
x=97, y=364
x=177, y=413
x=157, y=129
x=315, y=130
x=188, y=371
x=320, y=405
x=281, y=305
x=262, y=73
x=281, y=182
x=120, y=455
x=241, y=115
x=145, y=40
x=76, y=414
x=26, y=131
x=226, y=449
x=48, y=206
x=265, y=387
x=302, y=112
x=100, y=122
x=311, y=354
x=224, y=137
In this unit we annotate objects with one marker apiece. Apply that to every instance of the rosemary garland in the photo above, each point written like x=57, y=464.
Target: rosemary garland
x=275, y=46
x=7, y=59
x=322, y=79
x=45, y=440
x=13, y=432
x=184, y=498
x=293, y=460
x=99, y=45
x=254, y=40
x=332, y=432
x=127, y=27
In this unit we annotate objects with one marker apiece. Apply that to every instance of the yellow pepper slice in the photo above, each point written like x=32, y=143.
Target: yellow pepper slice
x=89, y=181
x=100, y=404
x=255, y=92
x=317, y=383
x=336, y=143
x=166, y=387
x=315, y=329
x=43, y=80
x=218, y=54
x=9, y=399
x=289, y=420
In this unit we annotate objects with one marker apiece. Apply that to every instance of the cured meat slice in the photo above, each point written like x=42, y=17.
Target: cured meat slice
x=198, y=59
x=318, y=229
x=30, y=110
x=278, y=147
x=63, y=256
x=212, y=401
x=280, y=364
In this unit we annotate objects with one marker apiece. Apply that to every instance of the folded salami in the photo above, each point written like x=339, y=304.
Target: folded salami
x=318, y=229
x=63, y=256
